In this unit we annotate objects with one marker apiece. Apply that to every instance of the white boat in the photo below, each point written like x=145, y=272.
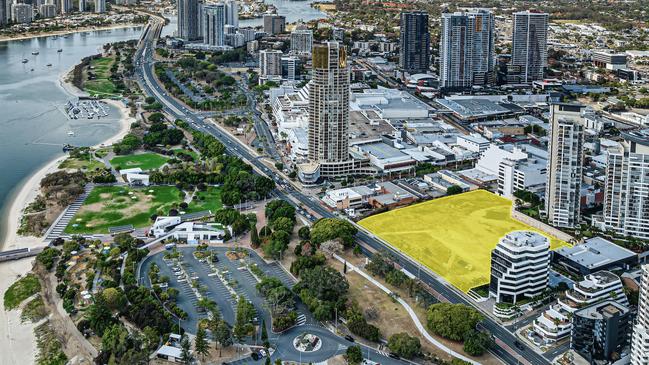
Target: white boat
x=60, y=50
x=70, y=133
x=49, y=65
x=25, y=60
x=35, y=53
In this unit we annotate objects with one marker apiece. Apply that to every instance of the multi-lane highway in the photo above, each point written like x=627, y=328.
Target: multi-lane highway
x=506, y=347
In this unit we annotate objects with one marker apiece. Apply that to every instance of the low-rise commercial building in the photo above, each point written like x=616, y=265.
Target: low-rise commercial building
x=595, y=254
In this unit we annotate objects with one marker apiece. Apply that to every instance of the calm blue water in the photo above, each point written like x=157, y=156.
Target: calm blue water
x=32, y=126
x=293, y=11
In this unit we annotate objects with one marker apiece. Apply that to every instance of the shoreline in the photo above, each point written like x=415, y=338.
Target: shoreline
x=26, y=36
x=30, y=187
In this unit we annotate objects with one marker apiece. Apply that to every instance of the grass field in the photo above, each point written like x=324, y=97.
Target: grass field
x=89, y=164
x=22, y=289
x=453, y=236
x=101, y=85
x=145, y=161
x=180, y=151
x=206, y=200
x=110, y=206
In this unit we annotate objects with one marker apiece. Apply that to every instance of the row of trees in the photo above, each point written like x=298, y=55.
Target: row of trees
x=280, y=301
x=276, y=235
x=458, y=322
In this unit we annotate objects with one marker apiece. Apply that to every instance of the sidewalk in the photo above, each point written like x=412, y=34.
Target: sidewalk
x=411, y=312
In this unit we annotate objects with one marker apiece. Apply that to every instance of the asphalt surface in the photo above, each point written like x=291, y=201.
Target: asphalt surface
x=504, y=348
x=246, y=286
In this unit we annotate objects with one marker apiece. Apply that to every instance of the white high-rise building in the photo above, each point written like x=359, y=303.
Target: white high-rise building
x=270, y=63
x=188, y=20
x=5, y=11
x=214, y=24
x=328, y=131
x=626, y=199
x=100, y=6
x=82, y=6
x=530, y=44
x=47, y=10
x=290, y=67
x=640, y=336
x=65, y=6
x=519, y=266
x=466, y=49
x=232, y=13
x=22, y=13
x=302, y=41
x=565, y=165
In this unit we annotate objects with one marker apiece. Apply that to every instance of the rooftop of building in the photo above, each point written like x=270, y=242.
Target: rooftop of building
x=598, y=279
x=367, y=125
x=640, y=136
x=601, y=310
x=595, y=252
x=476, y=107
x=382, y=150
x=524, y=239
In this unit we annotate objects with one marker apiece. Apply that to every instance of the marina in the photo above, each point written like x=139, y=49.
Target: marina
x=86, y=109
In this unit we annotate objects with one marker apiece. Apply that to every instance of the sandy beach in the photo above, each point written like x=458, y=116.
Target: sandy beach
x=30, y=188
x=15, y=335
x=17, y=340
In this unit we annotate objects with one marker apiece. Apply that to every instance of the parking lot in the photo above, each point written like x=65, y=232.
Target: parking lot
x=223, y=282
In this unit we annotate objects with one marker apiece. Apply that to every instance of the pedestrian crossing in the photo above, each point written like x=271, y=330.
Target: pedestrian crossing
x=301, y=320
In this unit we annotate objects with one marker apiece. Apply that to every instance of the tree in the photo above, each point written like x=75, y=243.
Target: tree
x=200, y=343
x=114, y=298
x=186, y=354
x=265, y=231
x=354, y=355
x=283, y=224
x=99, y=316
x=454, y=189
x=245, y=313
x=332, y=229
x=264, y=334
x=476, y=343
x=304, y=233
x=254, y=237
x=404, y=345
x=277, y=244
x=223, y=335
x=452, y=321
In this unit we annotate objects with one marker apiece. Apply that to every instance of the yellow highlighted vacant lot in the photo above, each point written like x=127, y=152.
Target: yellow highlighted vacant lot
x=453, y=236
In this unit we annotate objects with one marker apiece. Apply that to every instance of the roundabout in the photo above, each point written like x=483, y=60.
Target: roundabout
x=307, y=342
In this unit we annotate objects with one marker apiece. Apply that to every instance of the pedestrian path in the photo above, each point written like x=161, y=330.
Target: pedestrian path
x=57, y=229
x=411, y=312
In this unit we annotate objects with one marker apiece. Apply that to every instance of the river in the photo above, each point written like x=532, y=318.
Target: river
x=32, y=125
x=294, y=11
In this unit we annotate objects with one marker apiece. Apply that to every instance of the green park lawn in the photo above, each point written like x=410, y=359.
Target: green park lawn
x=206, y=200
x=22, y=289
x=101, y=85
x=182, y=151
x=145, y=161
x=112, y=206
x=87, y=164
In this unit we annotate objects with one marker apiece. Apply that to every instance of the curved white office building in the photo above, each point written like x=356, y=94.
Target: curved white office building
x=519, y=266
